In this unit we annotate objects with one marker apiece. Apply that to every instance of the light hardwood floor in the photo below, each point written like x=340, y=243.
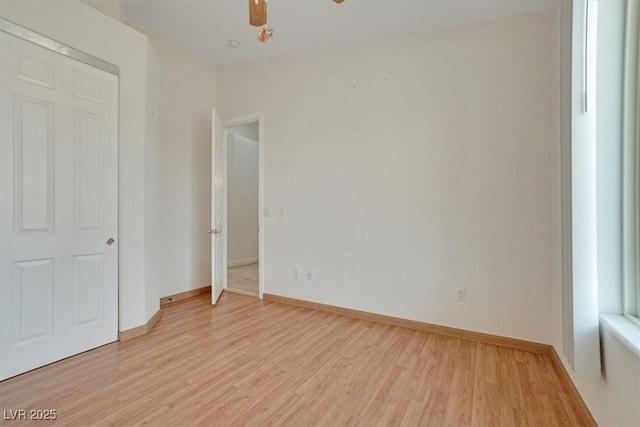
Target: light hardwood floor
x=250, y=362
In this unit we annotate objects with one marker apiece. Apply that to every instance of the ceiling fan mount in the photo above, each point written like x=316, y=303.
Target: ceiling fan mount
x=258, y=18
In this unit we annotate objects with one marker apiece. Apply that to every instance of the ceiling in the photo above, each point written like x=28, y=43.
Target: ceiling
x=206, y=26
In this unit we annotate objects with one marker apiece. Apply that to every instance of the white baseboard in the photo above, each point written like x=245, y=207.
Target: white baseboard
x=241, y=262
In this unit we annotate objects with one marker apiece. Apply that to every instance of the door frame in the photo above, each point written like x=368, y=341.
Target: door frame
x=227, y=124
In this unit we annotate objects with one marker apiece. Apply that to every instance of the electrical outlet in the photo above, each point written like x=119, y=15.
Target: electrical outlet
x=309, y=275
x=296, y=273
x=461, y=295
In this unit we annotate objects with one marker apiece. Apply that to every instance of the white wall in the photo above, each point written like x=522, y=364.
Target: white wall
x=76, y=24
x=614, y=400
x=153, y=206
x=242, y=200
x=411, y=167
x=187, y=96
x=112, y=8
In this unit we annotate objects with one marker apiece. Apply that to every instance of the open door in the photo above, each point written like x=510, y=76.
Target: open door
x=218, y=246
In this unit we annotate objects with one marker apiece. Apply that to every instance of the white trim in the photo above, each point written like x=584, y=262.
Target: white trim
x=631, y=164
x=586, y=339
x=62, y=49
x=237, y=121
x=624, y=330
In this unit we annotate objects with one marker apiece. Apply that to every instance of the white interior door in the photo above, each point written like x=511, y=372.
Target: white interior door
x=58, y=206
x=218, y=244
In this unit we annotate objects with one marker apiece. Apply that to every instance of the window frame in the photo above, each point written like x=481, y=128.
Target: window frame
x=631, y=166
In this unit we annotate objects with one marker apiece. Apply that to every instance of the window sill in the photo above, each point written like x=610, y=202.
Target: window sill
x=624, y=330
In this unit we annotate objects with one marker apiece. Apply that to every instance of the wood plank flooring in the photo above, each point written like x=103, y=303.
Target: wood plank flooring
x=250, y=362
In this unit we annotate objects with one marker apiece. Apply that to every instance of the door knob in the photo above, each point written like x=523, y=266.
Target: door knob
x=110, y=241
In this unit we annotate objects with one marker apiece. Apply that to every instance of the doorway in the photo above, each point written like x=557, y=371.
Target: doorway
x=242, y=206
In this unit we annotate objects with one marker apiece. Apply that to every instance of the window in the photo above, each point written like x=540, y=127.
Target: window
x=631, y=165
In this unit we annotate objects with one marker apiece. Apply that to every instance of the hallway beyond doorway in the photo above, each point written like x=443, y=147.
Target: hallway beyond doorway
x=243, y=280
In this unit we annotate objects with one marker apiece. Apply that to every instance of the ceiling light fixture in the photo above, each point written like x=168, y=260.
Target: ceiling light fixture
x=258, y=12
x=258, y=18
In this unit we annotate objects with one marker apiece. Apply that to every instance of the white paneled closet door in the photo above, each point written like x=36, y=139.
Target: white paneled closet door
x=58, y=206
